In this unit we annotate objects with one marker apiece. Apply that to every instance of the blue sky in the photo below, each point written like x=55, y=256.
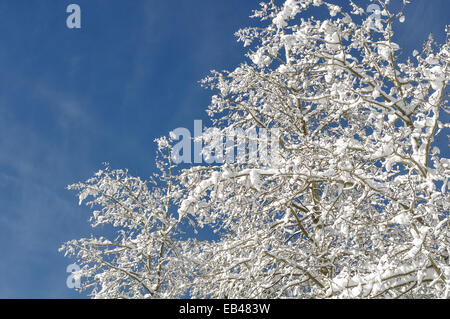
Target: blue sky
x=72, y=99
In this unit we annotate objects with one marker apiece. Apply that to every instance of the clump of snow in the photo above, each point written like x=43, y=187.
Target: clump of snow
x=385, y=49
x=289, y=10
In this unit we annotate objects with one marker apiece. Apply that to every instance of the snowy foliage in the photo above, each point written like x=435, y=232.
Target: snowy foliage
x=357, y=205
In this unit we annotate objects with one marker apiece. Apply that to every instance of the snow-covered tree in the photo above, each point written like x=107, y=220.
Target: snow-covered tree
x=355, y=205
